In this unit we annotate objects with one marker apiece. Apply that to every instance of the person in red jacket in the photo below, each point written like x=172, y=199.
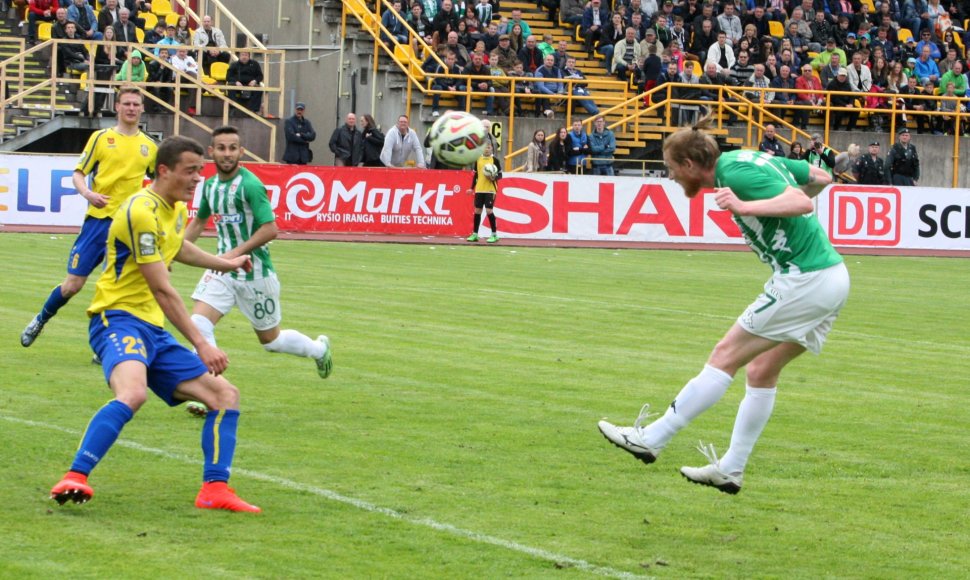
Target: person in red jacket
x=44, y=10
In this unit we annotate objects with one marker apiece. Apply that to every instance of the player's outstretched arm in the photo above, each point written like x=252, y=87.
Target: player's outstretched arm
x=193, y=255
x=263, y=235
x=789, y=203
x=818, y=178
x=156, y=275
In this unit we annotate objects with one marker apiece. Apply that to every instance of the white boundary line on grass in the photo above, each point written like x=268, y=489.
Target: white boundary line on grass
x=361, y=504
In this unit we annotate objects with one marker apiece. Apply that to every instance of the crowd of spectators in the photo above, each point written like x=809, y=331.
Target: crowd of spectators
x=874, y=49
x=193, y=51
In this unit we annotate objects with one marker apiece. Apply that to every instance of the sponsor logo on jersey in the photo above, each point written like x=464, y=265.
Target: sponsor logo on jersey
x=144, y=150
x=232, y=218
x=146, y=244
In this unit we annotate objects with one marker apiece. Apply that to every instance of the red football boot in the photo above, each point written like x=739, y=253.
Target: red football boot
x=74, y=487
x=216, y=495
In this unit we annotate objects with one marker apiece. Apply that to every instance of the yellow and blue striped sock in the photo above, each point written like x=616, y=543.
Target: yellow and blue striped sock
x=100, y=435
x=219, y=443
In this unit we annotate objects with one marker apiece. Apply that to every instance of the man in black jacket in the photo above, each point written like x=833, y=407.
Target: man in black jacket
x=245, y=72
x=299, y=134
x=345, y=143
x=841, y=83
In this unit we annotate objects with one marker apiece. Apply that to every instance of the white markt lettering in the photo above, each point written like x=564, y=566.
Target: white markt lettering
x=399, y=195
x=353, y=195
x=419, y=202
x=443, y=193
x=378, y=200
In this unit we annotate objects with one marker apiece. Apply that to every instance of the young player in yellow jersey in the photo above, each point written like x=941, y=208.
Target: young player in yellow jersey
x=133, y=298
x=485, y=188
x=117, y=160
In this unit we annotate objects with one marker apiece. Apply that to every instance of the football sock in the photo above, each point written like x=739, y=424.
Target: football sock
x=491, y=222
x=753, y=414
x=100, y=435
x=219, y=443
x=206, y=327
x=477, y=222
x=53, y=304
x=293, y=342
x=696, y=397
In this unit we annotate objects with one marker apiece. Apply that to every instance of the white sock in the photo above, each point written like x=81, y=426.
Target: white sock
x=696, y=397
x=753, y=414
x=206, y=327
x=292, y=342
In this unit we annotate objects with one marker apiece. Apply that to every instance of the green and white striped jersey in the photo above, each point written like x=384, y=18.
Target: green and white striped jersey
x=239, y=207
x=787, y=244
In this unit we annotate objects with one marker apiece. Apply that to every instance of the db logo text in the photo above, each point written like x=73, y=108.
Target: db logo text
x=864, y=216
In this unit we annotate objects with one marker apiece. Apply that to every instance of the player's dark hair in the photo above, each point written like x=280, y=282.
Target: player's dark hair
x=224, y=130
x=172, y=148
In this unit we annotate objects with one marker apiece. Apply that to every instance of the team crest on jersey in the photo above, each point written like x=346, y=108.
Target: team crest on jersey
x=144, y=150
x=146, y=244
x=179, y=222
x=111, y=141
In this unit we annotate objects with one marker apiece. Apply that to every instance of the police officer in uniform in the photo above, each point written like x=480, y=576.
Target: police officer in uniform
x=870, y=169
x=902, y=163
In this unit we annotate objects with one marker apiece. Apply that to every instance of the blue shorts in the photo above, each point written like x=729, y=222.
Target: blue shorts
x=117, y=336
x=89, y=247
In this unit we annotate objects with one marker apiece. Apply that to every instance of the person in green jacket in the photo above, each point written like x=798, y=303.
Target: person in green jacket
x=133, y=69
x=955, y=76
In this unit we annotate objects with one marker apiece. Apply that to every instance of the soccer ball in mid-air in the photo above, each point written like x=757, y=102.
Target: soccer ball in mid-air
x=490, y=171
x=457, y=138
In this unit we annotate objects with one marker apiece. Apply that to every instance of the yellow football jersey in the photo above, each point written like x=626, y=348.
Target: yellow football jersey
x=482, y=183
x=145, y=229
x=116, y=165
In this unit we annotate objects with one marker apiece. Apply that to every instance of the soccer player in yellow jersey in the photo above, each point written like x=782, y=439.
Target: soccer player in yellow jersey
x=133, y=298
x=485, y=188
x=117, y=161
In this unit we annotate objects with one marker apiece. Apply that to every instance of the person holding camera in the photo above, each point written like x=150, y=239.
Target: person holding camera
x=819, y=155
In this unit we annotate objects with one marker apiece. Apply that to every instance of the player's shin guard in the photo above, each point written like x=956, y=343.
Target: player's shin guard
x=206, y=327
x=54, y=303
x=293, y=342
x=753, y=414
x=100, y=435
x=698, y=395
x=219, y=443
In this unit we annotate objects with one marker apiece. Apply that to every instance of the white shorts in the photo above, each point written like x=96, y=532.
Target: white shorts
x=258, y=300
x=799, y=308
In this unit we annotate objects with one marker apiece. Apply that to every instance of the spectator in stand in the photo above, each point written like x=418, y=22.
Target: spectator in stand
x=579, y=89
x=926, y=68
x=549, y=87
x=808, y=81
x=169, y=40
x=372, y=142
x=950, y=42
x=704, y=37
x=157, y=34
x=678, y=32
x=824, y=58
x=770, y=143
x=430, y=7
x=60, y=19
x=182, y=32
x=390, y=21
x=462, y=58
x=184, y=62
x=478, y=68
x=916, y=106
x=81, y=13
x=819, y=155
x=490, y=37
x=125, y=29
x=796, y=152
x=451, y=83
x=578, y=147
x=516, y=38
x=444, y=22
x=841, y=83
x=484, y=13
x=650, y=39
x=720, y=54
x=157, y=73
x=299, y=134
x=132, y=70
x=516, y=18
x=784, y=81
x=546, y=47
x=647, y=73
x=530, y=55
x=595, y=17
x=946, y=64
x=571, y=11
x=422, y=27
x=789, y=59
x=213, y=40
x=108, y=15
x=626, y=52
x=957, y=77
x=345, y=143
x=707, y=13
x=757, y=80
x=758, y=18
x=537, y=155
x=503, y=56
x=523, y=89
x=882, y=41
x=637, y=23
x=43, y=10
x=602, y=146
x=860, y=77
x=246, y=72
x=613, y=32
x=926, y=41
x=795, y=43
x=402, y=148
x=742, y=69
x=821, y=29
x=73, y=56
x=670, y=75
x=729, y=23
x=464, y=37
x=561, y=54
x=559, y=152
x=831, y=70
x=945, y=123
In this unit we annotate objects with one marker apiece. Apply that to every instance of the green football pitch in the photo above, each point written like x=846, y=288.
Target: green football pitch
x=457, y=436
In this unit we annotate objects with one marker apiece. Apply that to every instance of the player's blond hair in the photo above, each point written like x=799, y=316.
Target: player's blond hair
x=695, y=144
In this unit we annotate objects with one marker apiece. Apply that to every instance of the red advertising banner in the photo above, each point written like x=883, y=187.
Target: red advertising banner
x=365, y=200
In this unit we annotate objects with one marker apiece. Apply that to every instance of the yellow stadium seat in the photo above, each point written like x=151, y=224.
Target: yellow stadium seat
x=871, y=5
x=44, y=31
x=904, y=34
x=172, y=18
x=403, y=53
x=696, y=66
x=139, y=35
x=162, y=7
x=776, y=29
x=150, y=19
x=218, y=70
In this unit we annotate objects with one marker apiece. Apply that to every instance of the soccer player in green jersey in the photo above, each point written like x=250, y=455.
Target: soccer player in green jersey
x=770, y=198
x=245, y=224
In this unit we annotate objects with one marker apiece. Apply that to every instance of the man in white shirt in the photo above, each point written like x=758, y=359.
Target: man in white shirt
x=402, y=148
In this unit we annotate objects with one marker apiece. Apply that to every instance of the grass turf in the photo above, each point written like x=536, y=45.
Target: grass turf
x=457, y=436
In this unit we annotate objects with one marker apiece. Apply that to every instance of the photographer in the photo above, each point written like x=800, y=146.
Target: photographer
x=820, y=155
